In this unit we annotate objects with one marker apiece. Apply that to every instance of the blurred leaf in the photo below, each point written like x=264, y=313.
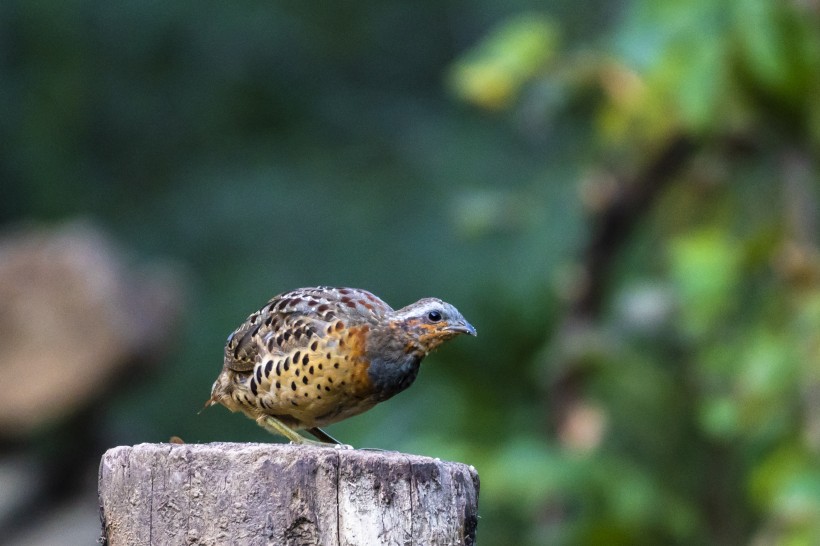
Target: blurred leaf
x=525, y=473
x=492, y=73
x=780, y=47
x=705, y=267
x=720, y=417
x=788, y=483
x=768, y=368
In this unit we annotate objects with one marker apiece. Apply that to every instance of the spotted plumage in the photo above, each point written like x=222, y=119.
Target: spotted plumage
x=315, y=356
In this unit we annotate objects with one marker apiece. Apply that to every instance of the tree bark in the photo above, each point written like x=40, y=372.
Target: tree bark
x=272, y=494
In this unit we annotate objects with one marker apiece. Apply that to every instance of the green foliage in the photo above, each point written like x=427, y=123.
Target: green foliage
x=492, y=74
x=705, y=269
x=707, y=382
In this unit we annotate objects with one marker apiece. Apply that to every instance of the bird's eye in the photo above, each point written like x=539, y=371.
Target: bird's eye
x=434, y=316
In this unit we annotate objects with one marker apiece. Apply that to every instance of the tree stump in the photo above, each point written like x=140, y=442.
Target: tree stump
x=272, y=494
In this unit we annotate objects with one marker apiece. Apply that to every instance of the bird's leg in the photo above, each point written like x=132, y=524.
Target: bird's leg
x=274, y=425
x=327, y=439
x=323, y=436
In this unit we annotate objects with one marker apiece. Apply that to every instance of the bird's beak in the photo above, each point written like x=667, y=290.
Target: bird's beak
x=462, y=327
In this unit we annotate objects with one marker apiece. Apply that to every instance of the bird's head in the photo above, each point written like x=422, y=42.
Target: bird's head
x=428, y=323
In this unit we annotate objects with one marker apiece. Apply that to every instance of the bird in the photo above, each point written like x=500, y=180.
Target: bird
x=314, y=356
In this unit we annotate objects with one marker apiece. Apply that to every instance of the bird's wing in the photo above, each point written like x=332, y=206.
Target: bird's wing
x=293, y=319
x=327, y=303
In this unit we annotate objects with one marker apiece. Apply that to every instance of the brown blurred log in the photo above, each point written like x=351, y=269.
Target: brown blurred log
x=255, y=494
x=78, y=317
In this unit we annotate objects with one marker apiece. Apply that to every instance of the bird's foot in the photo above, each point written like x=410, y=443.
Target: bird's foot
x=271, y=424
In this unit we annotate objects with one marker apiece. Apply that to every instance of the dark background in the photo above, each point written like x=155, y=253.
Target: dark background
x=622, y=197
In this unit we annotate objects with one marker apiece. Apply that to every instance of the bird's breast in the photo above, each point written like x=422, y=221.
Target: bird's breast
x=390, y=376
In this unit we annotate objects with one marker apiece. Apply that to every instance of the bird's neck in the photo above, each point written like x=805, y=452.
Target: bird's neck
x=391, y=376
x=394, y=356
x=397, y=338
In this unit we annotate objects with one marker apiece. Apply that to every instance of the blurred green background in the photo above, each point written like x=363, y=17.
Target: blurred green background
x=622, y=197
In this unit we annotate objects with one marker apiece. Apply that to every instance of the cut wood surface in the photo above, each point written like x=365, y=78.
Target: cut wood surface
x=255, y=494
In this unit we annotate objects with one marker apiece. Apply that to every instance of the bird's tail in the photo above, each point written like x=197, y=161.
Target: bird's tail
x=210, y=402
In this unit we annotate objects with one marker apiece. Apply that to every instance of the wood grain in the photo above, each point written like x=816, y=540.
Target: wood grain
x=271, y=494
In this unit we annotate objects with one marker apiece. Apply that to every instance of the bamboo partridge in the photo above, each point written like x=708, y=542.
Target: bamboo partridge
x=315, y=356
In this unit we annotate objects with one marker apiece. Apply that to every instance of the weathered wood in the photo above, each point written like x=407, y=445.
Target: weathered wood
x=272, y=494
